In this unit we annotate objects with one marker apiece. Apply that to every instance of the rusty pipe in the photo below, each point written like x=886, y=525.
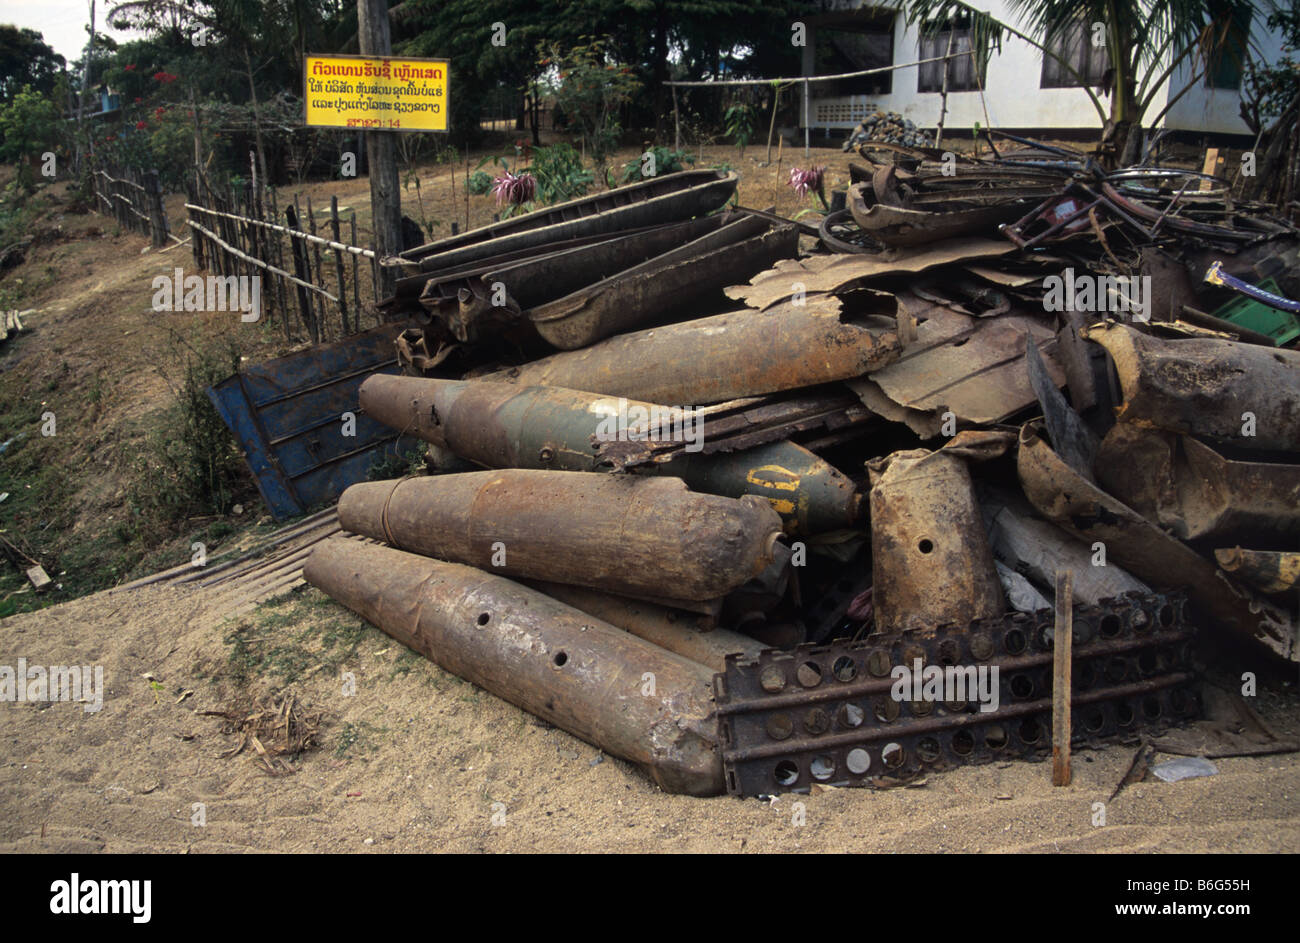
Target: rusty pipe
x=623, y=534
x=617, y=692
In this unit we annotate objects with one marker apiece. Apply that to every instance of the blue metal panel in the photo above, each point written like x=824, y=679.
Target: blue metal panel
x=286, y=415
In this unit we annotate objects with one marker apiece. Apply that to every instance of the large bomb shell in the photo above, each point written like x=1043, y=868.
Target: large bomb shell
x=622, y=694
x=638, y=536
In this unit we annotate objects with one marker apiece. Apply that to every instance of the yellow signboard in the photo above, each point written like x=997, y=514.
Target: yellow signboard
x=380, y=94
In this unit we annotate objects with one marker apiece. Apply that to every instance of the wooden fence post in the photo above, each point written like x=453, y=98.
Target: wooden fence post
x=300, y=269
x=157, y=215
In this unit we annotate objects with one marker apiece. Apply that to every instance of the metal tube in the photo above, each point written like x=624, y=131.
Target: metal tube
x=624, y=695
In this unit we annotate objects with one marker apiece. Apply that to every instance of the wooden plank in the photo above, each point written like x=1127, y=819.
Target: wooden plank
x=1211, y=166
x=1062, y=658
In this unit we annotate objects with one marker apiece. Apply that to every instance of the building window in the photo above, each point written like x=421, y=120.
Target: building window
x=1075, y=46
x=961, y=65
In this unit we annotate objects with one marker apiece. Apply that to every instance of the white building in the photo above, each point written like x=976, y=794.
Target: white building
x=1021, y=89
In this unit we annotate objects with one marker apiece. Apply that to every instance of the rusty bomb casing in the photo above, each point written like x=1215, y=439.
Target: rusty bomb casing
x=501, y=425
x=728, y=356
x=565, y=666
x=615, y=533
x=930, y=553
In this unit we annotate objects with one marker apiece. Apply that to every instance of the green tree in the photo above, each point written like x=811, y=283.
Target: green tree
x=29, y=125
x=25, y=59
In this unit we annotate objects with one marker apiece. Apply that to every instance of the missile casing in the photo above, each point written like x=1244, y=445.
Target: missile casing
x=729, y=356
x=567, y=667
x=617, y=533
x=501, y=425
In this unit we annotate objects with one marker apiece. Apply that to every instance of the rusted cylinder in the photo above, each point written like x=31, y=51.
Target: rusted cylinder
x=660, y=625
x=630, y=698
x=930, y=555
x=501, y=425
x=1242, y=394
x=744, y=353
x=639, y=536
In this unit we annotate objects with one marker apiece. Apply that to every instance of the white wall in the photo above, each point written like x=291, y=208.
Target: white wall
x=1012, y=94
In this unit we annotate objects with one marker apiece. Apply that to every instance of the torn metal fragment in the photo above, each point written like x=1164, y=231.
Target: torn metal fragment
x=1192, y=491
x=1161, y=560
x=836, y=273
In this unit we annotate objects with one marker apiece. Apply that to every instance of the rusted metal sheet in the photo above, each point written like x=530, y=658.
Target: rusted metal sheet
x=658, y=200
x=1237, y=393
x=1192, y=491
x=671, y=281
x=1269, y=571
x=839, y=715
x=567, y=667
x=668, y=628
x=1161, y=560
x=838, y=273
x=782, y=348
x=631, y=535
x=503, y=426
x=930, y=555
x=287, y=416
x=973, y=367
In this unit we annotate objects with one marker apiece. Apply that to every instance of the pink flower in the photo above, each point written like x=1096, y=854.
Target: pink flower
x=512, y=188
x=806, y=181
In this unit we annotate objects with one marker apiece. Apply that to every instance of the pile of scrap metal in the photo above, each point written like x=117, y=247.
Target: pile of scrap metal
x=806, y=531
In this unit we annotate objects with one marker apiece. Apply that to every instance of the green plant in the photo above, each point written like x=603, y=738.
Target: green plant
x=559, y=172
x=191, y=464
x=738, y=122
x=479, y=183
x=655, y=162
x=385, y=466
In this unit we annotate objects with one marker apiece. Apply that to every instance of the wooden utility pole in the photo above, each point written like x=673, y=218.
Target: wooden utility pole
x=375, y=39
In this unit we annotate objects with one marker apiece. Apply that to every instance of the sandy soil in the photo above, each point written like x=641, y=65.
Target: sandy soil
x=417, y=760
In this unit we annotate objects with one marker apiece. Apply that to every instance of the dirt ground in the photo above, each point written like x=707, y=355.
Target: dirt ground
x=418, y=760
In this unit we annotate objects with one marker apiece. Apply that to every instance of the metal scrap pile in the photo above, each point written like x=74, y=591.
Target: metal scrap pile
x=710, y=531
